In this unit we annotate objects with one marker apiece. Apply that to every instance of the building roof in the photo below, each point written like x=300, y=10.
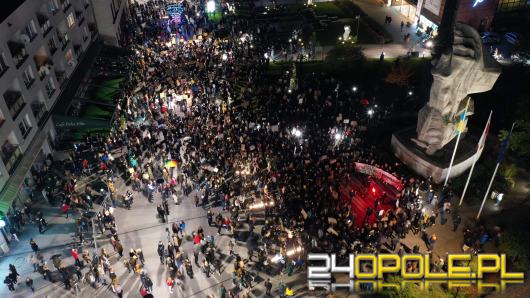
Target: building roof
x=8, y=7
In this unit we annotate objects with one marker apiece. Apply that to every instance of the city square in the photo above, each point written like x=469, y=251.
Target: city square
x=161, y=148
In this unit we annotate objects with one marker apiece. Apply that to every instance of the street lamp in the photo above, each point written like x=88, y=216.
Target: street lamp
x=370, y=112
x=354, y=88
x=338, y=136
x=410, y=93
x=224, y=57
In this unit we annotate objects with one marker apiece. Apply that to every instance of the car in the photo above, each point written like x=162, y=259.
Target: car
x=512, y=38
x=490, y=38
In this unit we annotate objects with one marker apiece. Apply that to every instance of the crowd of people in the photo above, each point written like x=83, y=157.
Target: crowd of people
x=269, y=157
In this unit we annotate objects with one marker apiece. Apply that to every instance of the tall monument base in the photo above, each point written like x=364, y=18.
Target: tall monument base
x=436, y=165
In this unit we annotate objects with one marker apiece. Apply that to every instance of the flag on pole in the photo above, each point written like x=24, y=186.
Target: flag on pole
x=462, y=122
x=504, y=146
x=483, y=137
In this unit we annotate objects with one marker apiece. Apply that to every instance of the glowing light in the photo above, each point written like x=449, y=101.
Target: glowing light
x=2, y=223
x=354, y=88
x=370, y=112
x=373, y=190
x=224, y=56
x=296, y=132
x=210, y=6
x=338, y=136
x=428, y=44
x=410, y=93
x=477, y=2
x=266, y=55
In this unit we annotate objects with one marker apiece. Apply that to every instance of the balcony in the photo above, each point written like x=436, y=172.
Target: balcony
x=15, y=102
x=11, y=156
x=80, y=17
x=61, y=78
x=63, y=40
x=44, y=66
x=44, y=23
x=65, y=4
x=39, y=111
x=18, y=52
x=28, y=82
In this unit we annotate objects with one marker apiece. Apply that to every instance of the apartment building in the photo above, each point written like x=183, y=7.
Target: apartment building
x=111, y=16
x=41, y=43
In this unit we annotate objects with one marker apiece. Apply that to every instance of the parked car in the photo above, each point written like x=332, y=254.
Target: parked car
x=490, y=38
x=512, y=38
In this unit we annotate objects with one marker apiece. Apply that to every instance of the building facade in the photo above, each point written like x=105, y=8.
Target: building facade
x=110, y=18
x=428, y=13
x=41, y=44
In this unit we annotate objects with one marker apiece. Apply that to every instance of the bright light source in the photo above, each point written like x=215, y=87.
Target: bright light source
x=338, y=136
x=370, y=112
x=296, y=132
x=2, y=223
x=410, y=93
x=266, y=55
x=354, y=88
x=224, y=56
x=428, y=44
x=373, y=190
x=210, y=6
x=198, y=14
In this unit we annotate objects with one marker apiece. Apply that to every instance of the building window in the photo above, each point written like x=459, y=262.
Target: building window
x=70, y=20
x=85, y=33
x=52, y=45
x=69, y=57
x=28, y=77
x=3, y=64
x=25, y=126
x=65, y=4
x=50, y=87
x=53, y=6
x=30, y=31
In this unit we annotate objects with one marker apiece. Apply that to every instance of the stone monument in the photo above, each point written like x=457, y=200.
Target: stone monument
x=461, y=66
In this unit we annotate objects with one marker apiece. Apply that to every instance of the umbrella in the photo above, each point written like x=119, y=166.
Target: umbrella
x=171, y=163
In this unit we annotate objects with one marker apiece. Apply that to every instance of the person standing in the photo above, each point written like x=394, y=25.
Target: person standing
x=170, y=284
x=29, y=283
x=268, y=287
x=75, y=255
x=160, y=249
x=222, y=291
x=456, y=222
x=10, y=284
x=34, y=245
x=119, y=248
x=402, y=24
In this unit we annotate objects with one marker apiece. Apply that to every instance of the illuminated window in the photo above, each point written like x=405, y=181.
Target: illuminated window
x=70, y=20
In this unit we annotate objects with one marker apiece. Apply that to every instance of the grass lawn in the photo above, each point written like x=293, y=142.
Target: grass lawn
x=369, y=30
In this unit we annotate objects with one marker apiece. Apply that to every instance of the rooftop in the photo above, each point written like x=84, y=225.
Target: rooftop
x=8, y=7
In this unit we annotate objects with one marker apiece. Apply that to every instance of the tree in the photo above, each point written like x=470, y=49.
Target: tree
x=520, y=139
x=399, y=76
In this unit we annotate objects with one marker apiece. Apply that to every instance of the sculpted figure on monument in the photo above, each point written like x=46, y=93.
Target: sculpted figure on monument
x=464, y=70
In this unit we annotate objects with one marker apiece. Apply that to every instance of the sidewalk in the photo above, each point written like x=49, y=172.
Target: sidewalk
x=378, y=12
